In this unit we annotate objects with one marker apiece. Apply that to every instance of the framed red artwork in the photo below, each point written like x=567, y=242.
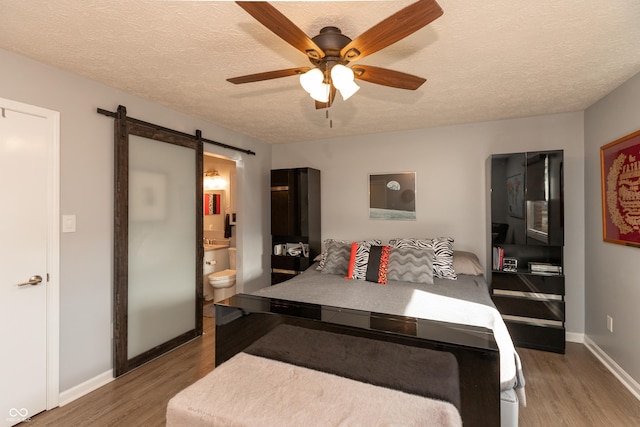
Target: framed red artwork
x=620, y=176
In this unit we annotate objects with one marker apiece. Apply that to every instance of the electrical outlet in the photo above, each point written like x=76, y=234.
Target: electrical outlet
x=609, y=323
x=68, y=223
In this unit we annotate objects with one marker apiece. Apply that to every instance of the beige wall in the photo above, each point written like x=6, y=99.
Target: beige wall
x=451, y=186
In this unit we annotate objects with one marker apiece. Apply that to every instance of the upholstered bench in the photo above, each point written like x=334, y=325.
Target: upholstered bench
x=250, y=390
x=296, y=376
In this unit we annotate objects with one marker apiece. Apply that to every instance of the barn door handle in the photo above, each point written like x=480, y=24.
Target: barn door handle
x=33, y=280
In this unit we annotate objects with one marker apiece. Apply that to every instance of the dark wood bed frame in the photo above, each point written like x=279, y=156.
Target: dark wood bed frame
x=242, y=319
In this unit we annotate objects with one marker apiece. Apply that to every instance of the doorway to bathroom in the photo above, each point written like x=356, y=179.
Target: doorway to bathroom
x=219, y=228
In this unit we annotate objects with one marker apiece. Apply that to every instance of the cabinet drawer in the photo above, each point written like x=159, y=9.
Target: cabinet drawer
x=538, y=337
x=294, y=263
x=277, y=277
x=528, y=283
x=527, y=307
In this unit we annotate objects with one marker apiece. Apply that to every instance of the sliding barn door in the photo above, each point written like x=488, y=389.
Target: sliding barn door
x=158, y=242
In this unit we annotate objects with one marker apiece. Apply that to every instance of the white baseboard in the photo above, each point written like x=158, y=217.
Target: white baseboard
x=86, y=387
x=574, y=337
x=612, y=366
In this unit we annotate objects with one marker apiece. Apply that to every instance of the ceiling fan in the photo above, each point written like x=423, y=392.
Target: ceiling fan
x=330, y=51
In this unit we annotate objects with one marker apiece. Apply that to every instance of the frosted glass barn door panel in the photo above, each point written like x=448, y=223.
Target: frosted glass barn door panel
x=162, y=236
x=157, y=241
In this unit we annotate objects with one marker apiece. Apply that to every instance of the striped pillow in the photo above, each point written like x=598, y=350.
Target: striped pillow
x=377, y=264
x=360, y=258
x=443, y=253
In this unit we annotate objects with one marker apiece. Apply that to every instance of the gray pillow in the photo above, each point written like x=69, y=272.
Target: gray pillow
x=322, y=258
x=466, y=263
x=337, y=259
x=411, y=265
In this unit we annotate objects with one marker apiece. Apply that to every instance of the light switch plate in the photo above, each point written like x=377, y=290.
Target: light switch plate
x=68, y=223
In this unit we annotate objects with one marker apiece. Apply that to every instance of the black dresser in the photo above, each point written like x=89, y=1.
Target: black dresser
x=527, y=242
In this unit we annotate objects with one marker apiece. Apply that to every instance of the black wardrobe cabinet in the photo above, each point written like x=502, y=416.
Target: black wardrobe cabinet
x=295, y=220
x=527, y=238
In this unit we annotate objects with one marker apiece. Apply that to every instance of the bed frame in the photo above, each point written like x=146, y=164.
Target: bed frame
x=242, y=319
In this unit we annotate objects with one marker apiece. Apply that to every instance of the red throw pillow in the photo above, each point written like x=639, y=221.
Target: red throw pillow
x=352, y=260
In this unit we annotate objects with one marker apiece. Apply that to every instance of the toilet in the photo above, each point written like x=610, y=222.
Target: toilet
x=224, y=281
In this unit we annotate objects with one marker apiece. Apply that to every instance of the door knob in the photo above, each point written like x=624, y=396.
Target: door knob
x=33, y=280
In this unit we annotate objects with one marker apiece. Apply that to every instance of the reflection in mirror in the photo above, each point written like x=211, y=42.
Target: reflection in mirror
x=538, y=220
x=214, y=210
x=508, y=177
x=538, y=197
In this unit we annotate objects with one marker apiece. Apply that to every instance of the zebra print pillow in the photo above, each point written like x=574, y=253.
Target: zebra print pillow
x=443, y=253
x=360, y=258
x=327, y=242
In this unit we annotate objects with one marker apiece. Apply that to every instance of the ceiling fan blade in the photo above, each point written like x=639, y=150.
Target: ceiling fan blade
x=332, y=96
x=279, y=24
x=396, y=27
x=386, y=77
x=250, y=78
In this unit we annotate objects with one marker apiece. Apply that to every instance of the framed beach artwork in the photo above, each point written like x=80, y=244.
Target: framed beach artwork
x=392, y=196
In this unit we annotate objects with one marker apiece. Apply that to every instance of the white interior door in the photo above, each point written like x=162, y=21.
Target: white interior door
x=28, y=230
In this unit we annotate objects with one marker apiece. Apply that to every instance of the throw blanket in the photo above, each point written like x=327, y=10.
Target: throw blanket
x=464, y=301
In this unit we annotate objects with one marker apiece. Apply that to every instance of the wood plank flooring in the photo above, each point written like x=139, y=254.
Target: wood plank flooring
x=562, y=390
x=574, y=389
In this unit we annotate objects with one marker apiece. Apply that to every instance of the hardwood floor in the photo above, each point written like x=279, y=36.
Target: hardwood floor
x=562, y=390
x=140, y=397
x=574, y=389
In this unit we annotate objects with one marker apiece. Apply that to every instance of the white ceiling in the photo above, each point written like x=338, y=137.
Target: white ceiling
x=483, y=60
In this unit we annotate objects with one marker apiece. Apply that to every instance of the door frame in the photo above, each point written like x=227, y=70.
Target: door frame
x=53, y=242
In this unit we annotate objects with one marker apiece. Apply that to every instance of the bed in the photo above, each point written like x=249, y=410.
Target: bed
x=453, y=305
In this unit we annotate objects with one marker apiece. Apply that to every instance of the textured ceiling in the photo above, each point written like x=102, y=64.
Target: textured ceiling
x=483, y=60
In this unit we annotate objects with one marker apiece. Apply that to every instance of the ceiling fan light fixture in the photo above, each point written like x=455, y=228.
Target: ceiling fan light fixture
x=311, y=80
x=348, y=90
x=341, y=76
x=321, y=93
